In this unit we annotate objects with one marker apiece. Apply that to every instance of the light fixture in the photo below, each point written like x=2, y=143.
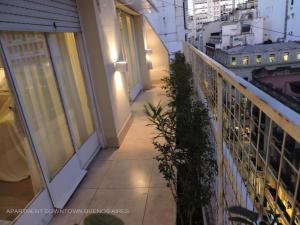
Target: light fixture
x=148, y=51
x=149, y=65
x=121, y=66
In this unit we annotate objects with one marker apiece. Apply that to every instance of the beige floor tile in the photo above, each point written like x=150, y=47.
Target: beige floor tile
x=160, y=207
x=105, y=155
x=120, y=178
x=81, y=200
x=95, y=175
x=131, y=200
x=135, y=154
x=157, y=179
x=128, y=174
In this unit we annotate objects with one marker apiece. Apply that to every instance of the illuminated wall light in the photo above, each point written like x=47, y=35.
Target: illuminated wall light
x=113, y=52
x=148, y=51
x=121, y=66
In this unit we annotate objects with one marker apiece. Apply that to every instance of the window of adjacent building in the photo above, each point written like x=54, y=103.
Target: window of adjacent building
x=245, y=60
x=285, y=56
x=233, y=61
x=258, y=59
x=272, y=58
x=298, y=56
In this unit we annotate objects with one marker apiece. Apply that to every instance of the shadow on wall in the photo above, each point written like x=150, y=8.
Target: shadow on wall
x=159, y=56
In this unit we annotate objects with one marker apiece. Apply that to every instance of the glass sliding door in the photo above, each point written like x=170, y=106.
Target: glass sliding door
x=66, y=60
x=130, y=52
x=20, y=178
x=30, y=61
x=34, y=77
x=74, y=88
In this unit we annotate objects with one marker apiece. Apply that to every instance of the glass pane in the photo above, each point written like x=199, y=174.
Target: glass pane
x=30, y=61
x=20, y=179
x=129, y=48
x=292, y=151
x=66, y=60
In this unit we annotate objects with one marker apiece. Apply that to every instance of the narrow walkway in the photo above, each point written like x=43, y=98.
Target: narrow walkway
x=126, y=178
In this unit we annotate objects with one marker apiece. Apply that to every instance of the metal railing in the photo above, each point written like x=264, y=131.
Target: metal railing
x=258, y=141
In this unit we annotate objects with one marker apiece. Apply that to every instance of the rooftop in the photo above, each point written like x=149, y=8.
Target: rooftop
x=264, y=48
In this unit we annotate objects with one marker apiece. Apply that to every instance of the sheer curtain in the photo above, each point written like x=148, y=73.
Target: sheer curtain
x=29, y=58
x=66, y=60
x=16, y=159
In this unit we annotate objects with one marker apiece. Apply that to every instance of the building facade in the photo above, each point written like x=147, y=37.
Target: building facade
x=244, y=60
x=69, y=71
x=238, y=27
x=281, y=19
x=168, y=21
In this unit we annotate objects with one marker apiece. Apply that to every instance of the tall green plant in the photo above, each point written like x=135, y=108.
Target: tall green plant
x=186, y=157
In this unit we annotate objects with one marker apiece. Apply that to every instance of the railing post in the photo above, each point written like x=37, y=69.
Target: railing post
x=220, y=148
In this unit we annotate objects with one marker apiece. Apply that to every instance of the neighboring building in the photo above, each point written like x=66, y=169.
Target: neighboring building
x=203, y=12
x=281, y=19
x=69, y=71
x=240, y=33
x=211, y=10
x=209, y=33
x=282, y=83
x=169, y=23
x=285, y=80
x=244, y=60
x=237, y=28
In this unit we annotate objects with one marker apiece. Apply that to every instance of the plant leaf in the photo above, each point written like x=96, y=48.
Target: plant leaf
x=240, y=220
x=253, y=216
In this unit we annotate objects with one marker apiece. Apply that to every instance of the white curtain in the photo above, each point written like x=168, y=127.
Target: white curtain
x=13, y=165
x=66, y=60
x=16, y=159
x=30, y=61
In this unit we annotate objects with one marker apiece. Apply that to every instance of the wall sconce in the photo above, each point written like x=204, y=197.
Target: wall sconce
x=149, y=65
x=148, y=51
x=121, y=66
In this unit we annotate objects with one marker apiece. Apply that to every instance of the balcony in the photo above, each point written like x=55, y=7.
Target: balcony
x=258, y=141
x=126, y=178
x=257, y=136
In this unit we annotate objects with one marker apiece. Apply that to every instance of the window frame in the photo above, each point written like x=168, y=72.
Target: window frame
x=284, y=55
x=256, y=61
x=245, y=57
x=233, y=62
x=269, y=58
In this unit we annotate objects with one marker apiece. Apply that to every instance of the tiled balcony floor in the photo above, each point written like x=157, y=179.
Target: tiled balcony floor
x=126, y=178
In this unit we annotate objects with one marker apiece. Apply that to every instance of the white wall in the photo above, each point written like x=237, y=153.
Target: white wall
x=273, y=13
x=293, y=21
x=168, y=23
x=103, y=42
x=258, y=33
x=208, y=29
x=159, y=56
